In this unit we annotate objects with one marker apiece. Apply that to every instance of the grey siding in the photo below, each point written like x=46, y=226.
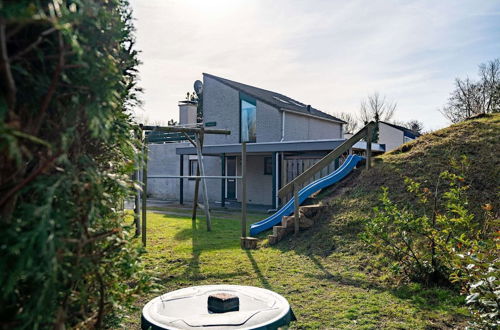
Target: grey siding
x=259, y=186
x=299, y=127
x=163, y=161
x=221, y=105
x=390, y=136
x=268, y=123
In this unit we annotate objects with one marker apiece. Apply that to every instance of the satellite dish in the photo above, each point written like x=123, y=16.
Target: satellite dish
x=198, y=87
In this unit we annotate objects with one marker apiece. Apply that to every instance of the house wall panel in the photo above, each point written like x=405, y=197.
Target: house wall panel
x=390, y=136
x=221, y=104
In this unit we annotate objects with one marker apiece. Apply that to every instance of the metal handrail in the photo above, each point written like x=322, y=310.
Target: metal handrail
x=296, y=183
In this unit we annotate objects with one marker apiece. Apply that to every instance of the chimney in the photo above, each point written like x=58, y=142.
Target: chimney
x=187, y=112
x=308, y=108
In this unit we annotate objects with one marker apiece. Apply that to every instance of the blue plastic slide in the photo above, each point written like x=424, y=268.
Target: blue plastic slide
x=304, y=193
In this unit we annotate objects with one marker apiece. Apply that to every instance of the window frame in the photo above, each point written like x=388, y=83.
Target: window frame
x=251, y=100
x=191, y=169
x=266, y=160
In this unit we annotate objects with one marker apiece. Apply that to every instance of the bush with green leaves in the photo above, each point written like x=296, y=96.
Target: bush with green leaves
x=437, y=240
x=477, y=269
x=419, y=237
x=67, y=85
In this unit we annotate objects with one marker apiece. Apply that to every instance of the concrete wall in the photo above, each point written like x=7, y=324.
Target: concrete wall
x=164, y=161
x=390, y=136
x=187, y=114
x=299, y=127
x=221, y=104
x=268, y=123
x=259, y=186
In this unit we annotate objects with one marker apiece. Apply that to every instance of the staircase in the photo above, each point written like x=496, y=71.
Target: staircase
x=308, y=217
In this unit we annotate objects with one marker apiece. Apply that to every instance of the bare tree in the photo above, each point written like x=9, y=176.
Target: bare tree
x=415, y=126
x=475, y=97
x=350, y=119
x=376, y=108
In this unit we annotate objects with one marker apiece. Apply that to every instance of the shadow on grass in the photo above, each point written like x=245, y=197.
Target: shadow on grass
x=327, y=275
x=258, y=272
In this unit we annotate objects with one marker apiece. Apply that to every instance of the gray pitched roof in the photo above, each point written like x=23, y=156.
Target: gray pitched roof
x=277, y=100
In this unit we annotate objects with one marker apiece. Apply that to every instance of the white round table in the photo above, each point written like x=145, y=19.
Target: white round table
x=188, y=309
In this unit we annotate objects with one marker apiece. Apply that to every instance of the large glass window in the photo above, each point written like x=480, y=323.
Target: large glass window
x=248, y=121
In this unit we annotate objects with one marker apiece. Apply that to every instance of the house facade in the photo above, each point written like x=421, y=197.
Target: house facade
x=392, y=135
x=284, y=137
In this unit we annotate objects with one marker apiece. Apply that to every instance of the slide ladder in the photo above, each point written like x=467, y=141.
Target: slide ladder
x=304, y=193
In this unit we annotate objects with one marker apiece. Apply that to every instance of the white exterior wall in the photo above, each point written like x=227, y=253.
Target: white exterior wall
x=164, y=161
x=299, y=127
x=187, y=114
x=390, y=136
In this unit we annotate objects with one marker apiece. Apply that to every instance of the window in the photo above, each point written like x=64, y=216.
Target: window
x=193, y=166
x=268, y=165
x=248, y=123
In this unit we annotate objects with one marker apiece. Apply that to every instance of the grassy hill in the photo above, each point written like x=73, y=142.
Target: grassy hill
x=328, y=275
x=422, y=160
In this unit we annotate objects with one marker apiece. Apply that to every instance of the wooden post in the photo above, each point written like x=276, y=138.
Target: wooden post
x=296, y=208
x=196, y=192
x=223, y=181
x=244, y=189
x=204, y=190
x=181, y=180
x=275, y=180
x=283, y=175
x=144, y=192
x=369, y=136
x=137, y=207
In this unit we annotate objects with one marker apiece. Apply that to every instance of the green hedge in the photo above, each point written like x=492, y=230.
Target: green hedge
x=67, y=83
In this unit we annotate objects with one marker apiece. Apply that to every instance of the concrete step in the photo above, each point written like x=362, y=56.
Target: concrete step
x=308, y=215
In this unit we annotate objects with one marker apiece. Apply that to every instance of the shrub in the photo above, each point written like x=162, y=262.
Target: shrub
x=420, y=237
x=477, y=269
x=68, y=81
x=437, y=240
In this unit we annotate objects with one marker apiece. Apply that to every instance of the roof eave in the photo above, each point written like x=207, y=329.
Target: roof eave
x=313, y=116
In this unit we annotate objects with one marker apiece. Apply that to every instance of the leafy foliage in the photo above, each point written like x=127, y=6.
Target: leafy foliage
x=437, y=240
x=68, y=80
x=420, y=237
x=478, y=270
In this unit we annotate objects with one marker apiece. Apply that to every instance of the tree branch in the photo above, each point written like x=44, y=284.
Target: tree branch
x=28, y=179
x=34, y=44
x=6, y=71
x=53, y=84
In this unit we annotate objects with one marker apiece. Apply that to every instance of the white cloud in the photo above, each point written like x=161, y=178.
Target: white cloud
x=330, y=54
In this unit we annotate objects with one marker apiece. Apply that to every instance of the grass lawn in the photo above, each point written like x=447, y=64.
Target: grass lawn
x=338, y=290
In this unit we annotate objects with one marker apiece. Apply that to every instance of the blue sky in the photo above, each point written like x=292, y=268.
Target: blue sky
x=330, y=54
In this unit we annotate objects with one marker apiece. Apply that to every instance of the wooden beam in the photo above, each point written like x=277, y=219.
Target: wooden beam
x=369, y=137
x=187, y=130
x=296, y=209
x=223, y=181
x=204, y=190
x=244, y=189
x=181, y=180
x=144, y=191
x=137, y=207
